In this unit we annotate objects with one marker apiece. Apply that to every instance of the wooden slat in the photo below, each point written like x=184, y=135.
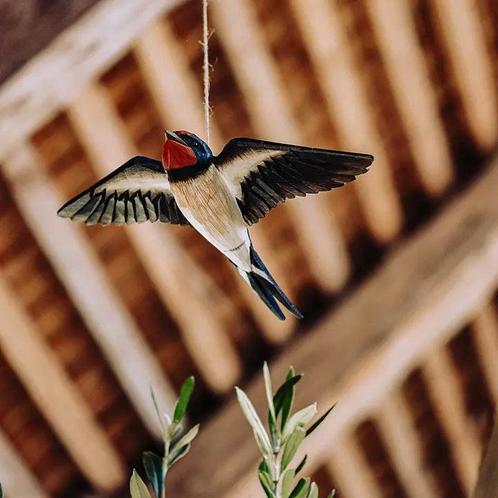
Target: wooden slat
x=485, y=334
x=415, y=97
x=352, y=473
x=450, y=407
x=61, y=72
x=178, y=101
x=237, y=27
x=83, y=276
x=428, y=289
x=16, y=479
x=57, y=398
x=463, y=35
x=403, y=445
x=487, y=485
x=348, y=106
x=186, y=291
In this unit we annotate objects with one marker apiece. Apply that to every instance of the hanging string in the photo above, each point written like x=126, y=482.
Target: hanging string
x=207, y=82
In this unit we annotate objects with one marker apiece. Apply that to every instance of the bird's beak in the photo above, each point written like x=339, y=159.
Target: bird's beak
x=171, y=135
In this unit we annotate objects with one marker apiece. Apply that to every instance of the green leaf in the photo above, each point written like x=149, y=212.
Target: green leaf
x=264, y=478
x=301, y=489
x=332, y=494
x=254, y=421
x=188, y=437
x=286, y=480
x=268, y=492
x=319, y=421
x=177, y=454
x=158, y=413
x=138, y=489
x=263, y=466
x=284, y=398
x=300, y=418
x=268, y=389
x=183, y=399
x=301, y=465
x=154, y=469
x=1, y=491
x=313, y=491
x=292, y=445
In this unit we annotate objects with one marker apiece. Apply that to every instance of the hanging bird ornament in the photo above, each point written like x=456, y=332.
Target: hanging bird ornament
x=219, y=196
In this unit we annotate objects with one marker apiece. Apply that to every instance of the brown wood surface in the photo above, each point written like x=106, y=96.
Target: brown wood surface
x=28, y=26
x=487, y=484
x=429, y=288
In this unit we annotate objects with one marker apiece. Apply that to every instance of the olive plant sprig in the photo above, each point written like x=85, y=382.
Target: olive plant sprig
x=286, y=433
x=175, y=447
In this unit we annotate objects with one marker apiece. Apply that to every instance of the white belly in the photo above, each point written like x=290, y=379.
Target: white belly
x=212, y=210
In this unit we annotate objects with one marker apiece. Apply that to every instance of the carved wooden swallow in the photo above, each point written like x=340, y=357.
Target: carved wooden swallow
x=220, y=196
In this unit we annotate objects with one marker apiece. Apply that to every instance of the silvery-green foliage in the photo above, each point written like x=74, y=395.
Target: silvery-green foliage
x=280, y=441
x=176, y=446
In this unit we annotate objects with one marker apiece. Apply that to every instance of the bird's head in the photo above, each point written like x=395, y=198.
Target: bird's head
x=182, y=149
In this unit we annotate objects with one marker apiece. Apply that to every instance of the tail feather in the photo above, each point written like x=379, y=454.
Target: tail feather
x=267, y=288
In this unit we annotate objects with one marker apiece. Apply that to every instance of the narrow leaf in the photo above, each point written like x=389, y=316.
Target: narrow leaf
x=187, y=438
x=1, y=491
x=268, y=389
x=265, y=478
x=263, y=466
x=301, y=489
x=285, y=395
x=138, y=489
x=286, y=486
x=332, y=494
x=268, y=492
x=301, y=418
x=158, y=413
x=183, y=399
x=292, y=445
x=313, y=491
x=153, y=466
x=178, y=454
x=301, y=465
x=319, y=421
x=253, y=419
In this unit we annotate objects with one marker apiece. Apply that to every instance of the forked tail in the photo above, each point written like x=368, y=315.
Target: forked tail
x=268, y=290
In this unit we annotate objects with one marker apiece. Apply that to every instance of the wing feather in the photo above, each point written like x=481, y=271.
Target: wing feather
x=264, y=174
x=134, y=193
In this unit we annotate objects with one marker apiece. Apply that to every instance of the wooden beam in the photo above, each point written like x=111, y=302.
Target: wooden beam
x=15, y=477
x=350, y=111
x=485, y=334
x=238, y=29
x=76, y=265
x=426, y=291
x=351, y=472
x=56, y=396
x=403, y=445
x=178, y=101
x=56, y=76
x=413, y=92
x=186, y=291
x=449, y=404
x=463, y=36
x=487, y=485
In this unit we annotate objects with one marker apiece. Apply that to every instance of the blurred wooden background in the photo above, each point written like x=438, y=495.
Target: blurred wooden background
x=397, y=274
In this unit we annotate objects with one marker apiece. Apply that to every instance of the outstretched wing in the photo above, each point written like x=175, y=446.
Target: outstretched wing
x=263, y=174
x=136, y=192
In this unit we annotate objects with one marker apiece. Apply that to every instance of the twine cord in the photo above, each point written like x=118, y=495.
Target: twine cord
x=207, y=82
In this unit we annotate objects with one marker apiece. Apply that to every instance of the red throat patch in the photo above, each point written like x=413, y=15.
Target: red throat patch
x=176, y=155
